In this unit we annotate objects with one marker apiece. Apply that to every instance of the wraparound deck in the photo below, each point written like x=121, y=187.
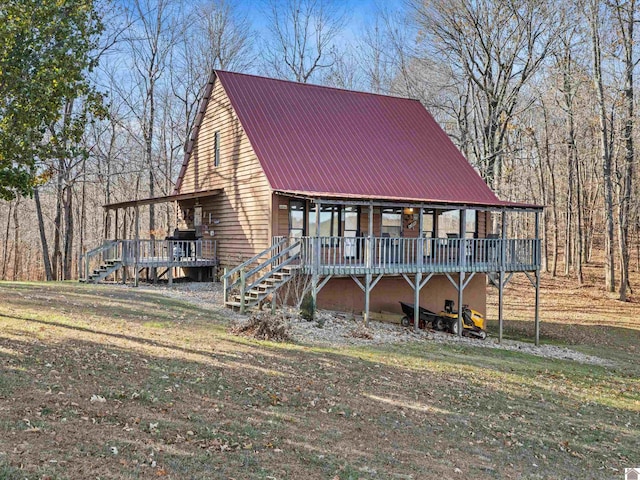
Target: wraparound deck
x=346, y=256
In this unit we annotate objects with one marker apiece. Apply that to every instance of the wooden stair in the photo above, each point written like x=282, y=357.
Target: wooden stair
x=252, y=282
x=103, y=271
x=260, y=292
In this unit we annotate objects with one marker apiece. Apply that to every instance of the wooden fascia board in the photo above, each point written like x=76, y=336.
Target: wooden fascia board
x=196, y=130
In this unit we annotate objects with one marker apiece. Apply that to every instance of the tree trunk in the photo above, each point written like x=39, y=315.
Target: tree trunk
x=605, y=151
x=626, y=28
x=43, y=238
x=552, y=194
x=5, y=250
x=68, y=233
x=16, y=241
x=83, y=217
x=57, y=224
x=579, y=231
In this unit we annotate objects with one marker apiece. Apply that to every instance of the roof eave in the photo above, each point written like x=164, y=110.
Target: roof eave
x=426, y=202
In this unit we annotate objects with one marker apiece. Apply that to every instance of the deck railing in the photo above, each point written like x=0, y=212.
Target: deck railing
x=167, y=251
x=357, y=255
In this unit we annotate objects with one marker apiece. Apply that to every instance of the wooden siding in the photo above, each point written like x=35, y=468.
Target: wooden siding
x=280, y=217
x=482, y=224
x=241, y=214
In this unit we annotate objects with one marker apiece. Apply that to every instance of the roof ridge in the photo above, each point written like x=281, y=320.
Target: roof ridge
x=327, y=87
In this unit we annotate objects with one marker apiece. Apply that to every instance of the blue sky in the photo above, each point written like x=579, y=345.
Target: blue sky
x=360, y=12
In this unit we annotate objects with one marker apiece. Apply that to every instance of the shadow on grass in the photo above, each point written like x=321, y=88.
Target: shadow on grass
x=107, y=303
x=122, y=336
x=333, y=412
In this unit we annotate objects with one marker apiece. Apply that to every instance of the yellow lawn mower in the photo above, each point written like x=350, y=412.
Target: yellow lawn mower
x=473, y=322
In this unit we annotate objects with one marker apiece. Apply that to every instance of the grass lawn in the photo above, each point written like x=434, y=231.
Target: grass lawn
x=105, y=382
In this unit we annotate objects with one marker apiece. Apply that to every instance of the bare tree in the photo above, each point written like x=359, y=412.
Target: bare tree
x=624, y=13
x=220, y=37
x=593, y=16
x=498, y=45
x=303, y=35
x=155, y=28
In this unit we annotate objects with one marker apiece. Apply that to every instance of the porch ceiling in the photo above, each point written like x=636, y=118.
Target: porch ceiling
x=409, y=202
x=165, y=199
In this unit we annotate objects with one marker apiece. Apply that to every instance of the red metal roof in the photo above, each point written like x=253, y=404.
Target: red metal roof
x=324, y=141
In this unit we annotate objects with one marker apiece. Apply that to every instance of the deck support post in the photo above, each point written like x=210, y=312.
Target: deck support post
x=503, y=261
x=274, y=298
x=225, y=285
x=367, y=295
x=170, y=274
x=243, y=286
x=460, y=300
x=500, y=303
x=537, y=261
x=137, y=247
x=462, y=261
x=416, y=302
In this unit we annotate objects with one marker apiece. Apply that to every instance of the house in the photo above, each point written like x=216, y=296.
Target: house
x=362, y=195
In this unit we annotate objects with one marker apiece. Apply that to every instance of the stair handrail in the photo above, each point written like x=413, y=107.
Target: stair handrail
x=227, y=285
x=277, y=268
x=244, y=264
x=96, y=251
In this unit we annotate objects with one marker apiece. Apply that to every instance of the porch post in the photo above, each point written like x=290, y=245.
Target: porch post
x=370, y=238
x=420, y=246
x=462, y=254
x=115, y=237
x=137, y=247
x=537, y=260
x=116, y=228
x=316, y=259
x=367, y=290
x=503, y=259
x=125, y=247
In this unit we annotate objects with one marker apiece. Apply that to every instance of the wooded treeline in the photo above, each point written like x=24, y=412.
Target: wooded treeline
x=540, y=97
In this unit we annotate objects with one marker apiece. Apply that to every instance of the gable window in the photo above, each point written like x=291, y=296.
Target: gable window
x=216, y=148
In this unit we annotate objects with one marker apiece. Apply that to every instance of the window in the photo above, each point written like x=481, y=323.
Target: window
x=329, y=221
x=428, y=223
x=216, y=148
x=391, y=222
x=471, y=224
x=449, y=224
x=296, y=218
x=351, y=221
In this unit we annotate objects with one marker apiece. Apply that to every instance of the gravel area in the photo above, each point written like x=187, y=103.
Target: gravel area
x=336, y=329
